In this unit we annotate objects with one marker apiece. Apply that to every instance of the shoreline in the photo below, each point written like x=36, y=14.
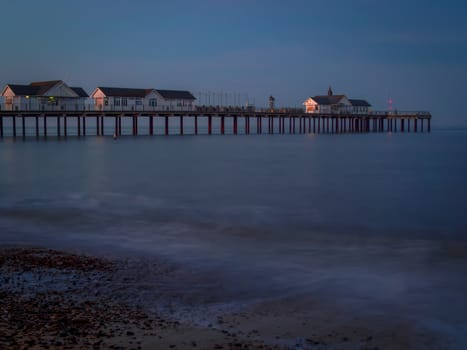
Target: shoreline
x=53, y=299
x=48, y=300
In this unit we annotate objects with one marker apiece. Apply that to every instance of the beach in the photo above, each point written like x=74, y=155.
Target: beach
x=53, y=300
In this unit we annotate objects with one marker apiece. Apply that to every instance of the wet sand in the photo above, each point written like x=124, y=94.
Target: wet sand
x=58, y=300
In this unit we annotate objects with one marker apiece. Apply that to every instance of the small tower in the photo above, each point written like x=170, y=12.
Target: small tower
x=271, y=102
x=329, y=91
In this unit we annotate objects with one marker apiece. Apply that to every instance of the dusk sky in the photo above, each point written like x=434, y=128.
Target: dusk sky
x=412, y=51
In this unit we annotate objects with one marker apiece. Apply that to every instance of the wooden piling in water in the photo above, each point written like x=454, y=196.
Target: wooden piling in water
x=37, y=125
x=14, y=125
x=79, y=125
x=378, y=122
x=116, y=126
x=45, y=126
x=58, y=126
x=23, y=126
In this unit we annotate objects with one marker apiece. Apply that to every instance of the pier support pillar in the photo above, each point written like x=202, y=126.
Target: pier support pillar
x=23, y=125
x=429, y=125
x=166, y=121
x=79, y=125
x=222, y=125
x=196, y=125
x=58, y=126
x=235, y=125
x=119, y=125
x=116, y=126
x=408, y=125
x=151, y=125
x=37, y=125
x=210, y=125
x=181, y=125
x=402, y=125
x=1, y=126
x=97, y=126
x=415, y=126
x=45, y=126
x=102, y=126
x=14, y=125
x=65, y=128
x=84, y=125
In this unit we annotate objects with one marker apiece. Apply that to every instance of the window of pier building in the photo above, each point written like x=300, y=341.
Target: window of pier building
x=153, y=102
x=117, y=101
x=124, y=101
x=138, y=102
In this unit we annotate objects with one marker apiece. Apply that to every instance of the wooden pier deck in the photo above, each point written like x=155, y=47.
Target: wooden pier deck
x=208, y=121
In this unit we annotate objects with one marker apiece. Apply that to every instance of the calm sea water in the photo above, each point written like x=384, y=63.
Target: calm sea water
x=359, y=216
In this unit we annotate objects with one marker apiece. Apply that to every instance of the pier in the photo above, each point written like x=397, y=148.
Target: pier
x=207, y=121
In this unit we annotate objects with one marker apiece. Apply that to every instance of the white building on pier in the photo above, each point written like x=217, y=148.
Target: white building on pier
x=45, y=95
x=335, y=104
x=128, y=99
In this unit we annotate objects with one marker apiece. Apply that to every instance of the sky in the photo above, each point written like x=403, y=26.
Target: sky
x=414, y=52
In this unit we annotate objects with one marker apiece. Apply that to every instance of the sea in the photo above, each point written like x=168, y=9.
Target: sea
x=370, y=219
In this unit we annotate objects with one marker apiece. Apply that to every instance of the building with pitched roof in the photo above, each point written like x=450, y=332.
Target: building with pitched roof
x=335, y=104
x=125, y=99
x=44, y=95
